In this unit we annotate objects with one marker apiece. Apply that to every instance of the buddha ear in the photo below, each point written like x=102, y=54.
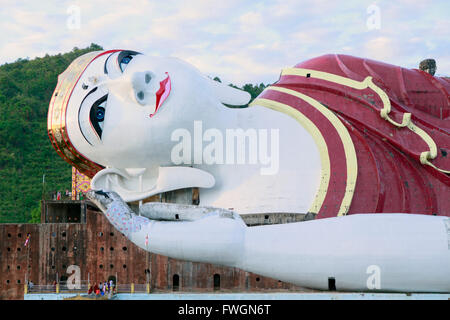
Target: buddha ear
x=230, y=95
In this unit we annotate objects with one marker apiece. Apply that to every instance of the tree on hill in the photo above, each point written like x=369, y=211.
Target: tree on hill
x=26, y=153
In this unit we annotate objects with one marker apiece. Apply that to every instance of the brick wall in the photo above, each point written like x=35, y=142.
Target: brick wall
x=100, y=252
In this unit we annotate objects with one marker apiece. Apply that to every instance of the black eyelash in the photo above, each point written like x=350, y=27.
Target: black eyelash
x=122, y=54
x=105, y=71
x=93, y=115
x=93, y=90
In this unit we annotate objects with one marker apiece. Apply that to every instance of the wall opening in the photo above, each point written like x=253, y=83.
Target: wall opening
x=63, y=280
x=176, y=282
x=113, y=278
x=332, y=284
x=216, y=282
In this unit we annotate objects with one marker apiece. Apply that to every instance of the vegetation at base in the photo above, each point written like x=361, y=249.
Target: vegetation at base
x=26, y=154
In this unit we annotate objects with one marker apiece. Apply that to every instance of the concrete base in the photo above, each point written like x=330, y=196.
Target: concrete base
x=256, y=296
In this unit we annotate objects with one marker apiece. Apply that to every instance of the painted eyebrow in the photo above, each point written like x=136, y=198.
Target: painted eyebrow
x=90, y=92
x=79, y=109
x=105, y=70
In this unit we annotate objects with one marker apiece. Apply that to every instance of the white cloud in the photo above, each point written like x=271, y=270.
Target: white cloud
x=240, y=41
x=381, y=48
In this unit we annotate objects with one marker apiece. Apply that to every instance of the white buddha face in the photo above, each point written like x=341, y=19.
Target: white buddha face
x=125, y=105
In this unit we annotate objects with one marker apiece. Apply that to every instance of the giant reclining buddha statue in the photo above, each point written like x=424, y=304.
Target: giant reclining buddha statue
x=360, y=145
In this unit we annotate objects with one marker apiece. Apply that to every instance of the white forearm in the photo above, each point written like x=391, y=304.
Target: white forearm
x=213, y=239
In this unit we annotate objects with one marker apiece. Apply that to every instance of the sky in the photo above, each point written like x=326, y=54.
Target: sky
x=239, y=41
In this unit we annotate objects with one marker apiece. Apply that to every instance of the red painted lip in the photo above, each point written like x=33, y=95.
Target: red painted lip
x=163, y=92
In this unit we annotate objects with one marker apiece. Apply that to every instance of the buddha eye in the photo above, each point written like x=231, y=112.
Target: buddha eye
x=97, y=115
x=117, y=62
x=92, y=115
x=100, y=115
x=124, y=62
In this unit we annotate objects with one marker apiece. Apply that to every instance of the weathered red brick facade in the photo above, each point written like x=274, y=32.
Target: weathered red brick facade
x=100, y=252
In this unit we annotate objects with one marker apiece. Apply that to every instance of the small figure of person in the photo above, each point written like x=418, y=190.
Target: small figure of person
x=111, y=285
x=30, y=285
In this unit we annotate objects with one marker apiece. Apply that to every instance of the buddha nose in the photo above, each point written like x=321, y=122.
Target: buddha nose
x=143, y=86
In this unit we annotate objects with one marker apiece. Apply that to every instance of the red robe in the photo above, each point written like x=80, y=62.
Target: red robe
x=390, y=176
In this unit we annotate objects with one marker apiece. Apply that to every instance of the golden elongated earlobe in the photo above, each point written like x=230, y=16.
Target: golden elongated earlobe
x=56, y=119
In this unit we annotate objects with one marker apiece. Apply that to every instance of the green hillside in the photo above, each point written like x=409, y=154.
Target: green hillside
x=26, y=153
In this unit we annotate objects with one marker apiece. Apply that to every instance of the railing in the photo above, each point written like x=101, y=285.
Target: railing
x=83, y=287
x=45, y=288
x=54, y=196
